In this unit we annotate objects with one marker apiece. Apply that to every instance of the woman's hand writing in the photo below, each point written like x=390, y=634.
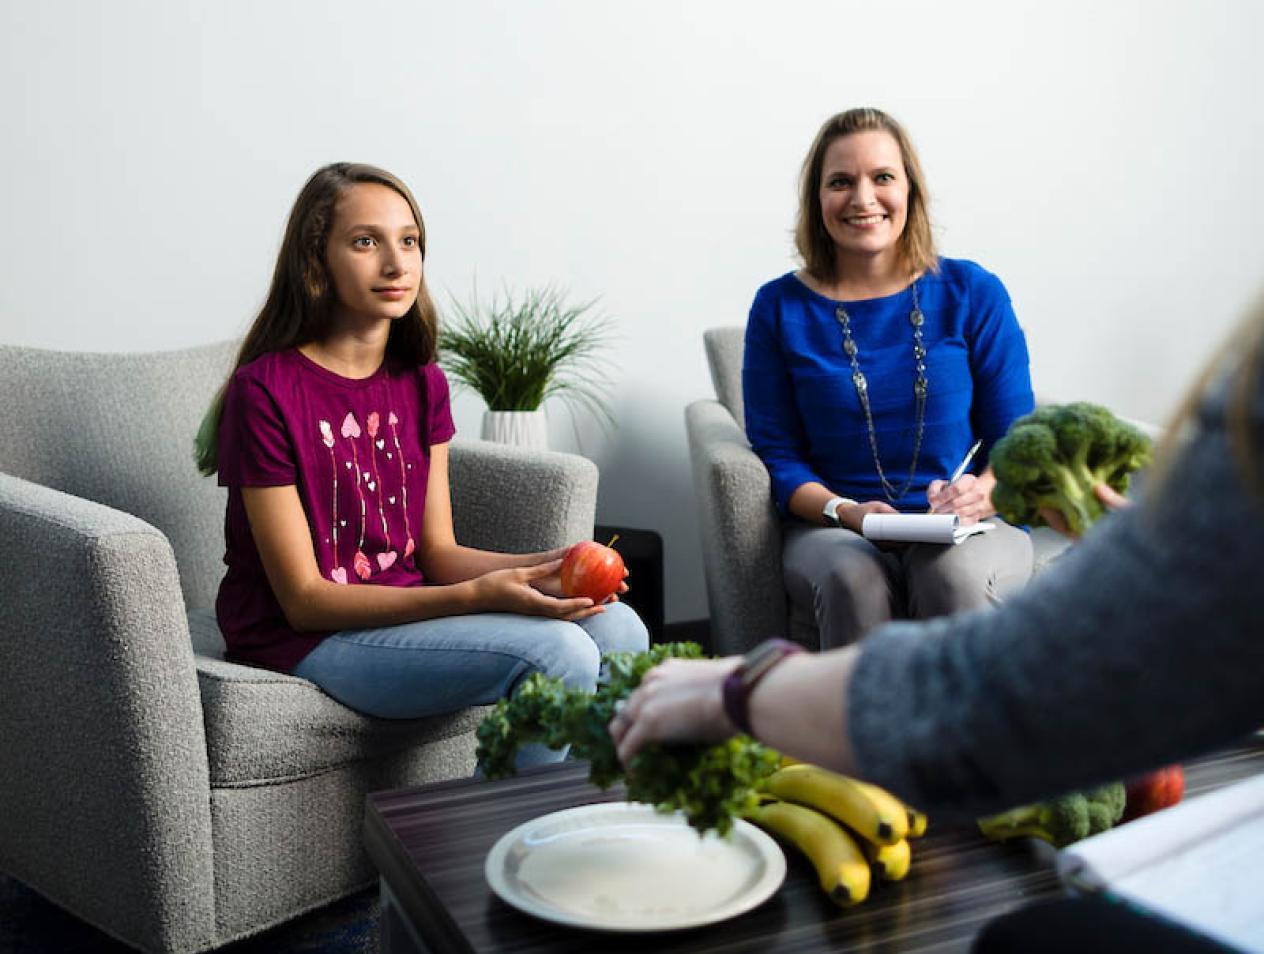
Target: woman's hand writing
x=679, y=700
x=969, y=497
x=522, y=590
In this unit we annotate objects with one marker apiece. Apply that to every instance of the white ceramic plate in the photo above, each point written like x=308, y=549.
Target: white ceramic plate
x=624, y=867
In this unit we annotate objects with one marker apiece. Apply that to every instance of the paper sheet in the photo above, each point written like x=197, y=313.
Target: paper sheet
x=919, y=527
x=1199, y=863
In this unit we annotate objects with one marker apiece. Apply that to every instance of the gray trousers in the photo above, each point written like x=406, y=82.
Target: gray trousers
x=841, y=585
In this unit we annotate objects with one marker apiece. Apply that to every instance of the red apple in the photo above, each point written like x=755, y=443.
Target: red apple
x=1154, y=790
x=592, y=570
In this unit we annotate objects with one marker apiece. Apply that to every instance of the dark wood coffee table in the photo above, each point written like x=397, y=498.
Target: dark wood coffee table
x=429, y=845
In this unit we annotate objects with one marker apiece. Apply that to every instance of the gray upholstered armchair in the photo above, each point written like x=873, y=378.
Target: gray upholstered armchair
x=741, y=532
x=172, y=799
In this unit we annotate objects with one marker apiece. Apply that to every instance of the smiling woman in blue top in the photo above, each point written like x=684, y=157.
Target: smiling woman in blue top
x=868, y=376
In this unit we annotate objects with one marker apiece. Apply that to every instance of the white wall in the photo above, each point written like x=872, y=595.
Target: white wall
x=1103, y=158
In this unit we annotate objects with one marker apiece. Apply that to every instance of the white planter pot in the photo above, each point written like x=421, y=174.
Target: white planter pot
x=519, y=428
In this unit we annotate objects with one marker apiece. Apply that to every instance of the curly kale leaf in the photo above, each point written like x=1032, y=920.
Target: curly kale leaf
x=711, y=784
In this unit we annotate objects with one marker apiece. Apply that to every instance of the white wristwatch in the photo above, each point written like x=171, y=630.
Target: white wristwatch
x=831, y=509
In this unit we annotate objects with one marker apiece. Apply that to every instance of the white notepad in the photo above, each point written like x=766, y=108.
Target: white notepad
x=1199, y=863
x=920, y=527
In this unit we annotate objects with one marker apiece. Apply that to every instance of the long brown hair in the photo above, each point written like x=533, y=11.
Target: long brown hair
x=300, y=303
x=916, y=245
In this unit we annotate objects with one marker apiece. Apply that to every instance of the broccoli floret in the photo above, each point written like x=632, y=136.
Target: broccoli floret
x=1055, y=456
x=1061, y=820
x=1106, y=806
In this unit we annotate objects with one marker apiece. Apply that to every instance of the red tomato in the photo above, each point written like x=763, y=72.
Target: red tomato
x=1154, y=790
x=592, y=570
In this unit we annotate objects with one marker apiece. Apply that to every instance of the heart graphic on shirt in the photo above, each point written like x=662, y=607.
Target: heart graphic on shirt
x=348, y=465
x=342, y=523
x=371, y=423
x=349, y=426
x=362, y=566
x=339, y=574
x=391, y=418
x=386, y=560
x=390, y=499
x=326, y=434
x=408, y=548
x=372, y=485
x=380, y=443
x=390, y=456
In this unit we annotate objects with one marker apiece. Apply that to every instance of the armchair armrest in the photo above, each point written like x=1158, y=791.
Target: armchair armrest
x=515, y=500
x=741, y=532
x=103, y=767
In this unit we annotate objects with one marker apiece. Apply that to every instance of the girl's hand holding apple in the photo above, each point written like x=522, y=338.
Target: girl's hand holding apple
x=524, y=590
x=592, y=570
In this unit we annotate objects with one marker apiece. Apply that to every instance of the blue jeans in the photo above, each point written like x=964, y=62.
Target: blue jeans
x=441, y=665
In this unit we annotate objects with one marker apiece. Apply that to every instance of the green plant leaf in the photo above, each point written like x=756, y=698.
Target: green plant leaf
x=518, y=351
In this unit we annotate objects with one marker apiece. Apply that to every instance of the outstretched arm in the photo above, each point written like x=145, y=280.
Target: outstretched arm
x=282, y=534
x=798, y=708
x=441, y=558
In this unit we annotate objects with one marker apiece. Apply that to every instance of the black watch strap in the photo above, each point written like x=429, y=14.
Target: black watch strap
x=741, y=682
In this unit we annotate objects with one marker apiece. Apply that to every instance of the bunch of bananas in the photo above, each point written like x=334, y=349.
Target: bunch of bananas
x=851, y=831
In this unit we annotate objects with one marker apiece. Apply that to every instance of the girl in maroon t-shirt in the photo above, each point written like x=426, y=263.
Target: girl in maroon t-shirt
x=331, y=436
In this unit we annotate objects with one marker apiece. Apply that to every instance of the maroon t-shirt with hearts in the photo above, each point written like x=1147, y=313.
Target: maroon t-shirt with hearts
x=357, y=451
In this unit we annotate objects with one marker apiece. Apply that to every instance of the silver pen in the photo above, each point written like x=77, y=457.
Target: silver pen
x=961, y=468
x=965, y=461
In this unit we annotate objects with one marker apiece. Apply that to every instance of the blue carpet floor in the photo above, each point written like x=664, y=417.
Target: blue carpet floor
x=31, y=925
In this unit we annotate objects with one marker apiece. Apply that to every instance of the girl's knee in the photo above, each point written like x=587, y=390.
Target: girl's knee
x=617, y=629
x=567, y=653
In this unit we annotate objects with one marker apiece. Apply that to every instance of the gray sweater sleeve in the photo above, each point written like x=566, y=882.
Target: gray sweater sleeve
x=1140, y=646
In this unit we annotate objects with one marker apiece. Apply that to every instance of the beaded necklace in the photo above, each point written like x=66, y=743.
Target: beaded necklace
x=921, y=386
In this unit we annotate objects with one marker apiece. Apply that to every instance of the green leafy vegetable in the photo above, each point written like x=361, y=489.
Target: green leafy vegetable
x=711, y=784
x=1054, y=456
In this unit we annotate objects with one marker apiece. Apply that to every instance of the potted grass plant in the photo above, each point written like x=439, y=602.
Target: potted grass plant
x=518, y=351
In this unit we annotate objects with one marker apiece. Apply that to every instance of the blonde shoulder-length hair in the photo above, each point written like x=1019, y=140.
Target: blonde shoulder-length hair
x=916, y=244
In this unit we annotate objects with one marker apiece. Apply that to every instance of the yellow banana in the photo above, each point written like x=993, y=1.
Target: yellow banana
x=871, y=812
x=789, y=760
x=917, y=822
x=889, y=862
x=840, y=865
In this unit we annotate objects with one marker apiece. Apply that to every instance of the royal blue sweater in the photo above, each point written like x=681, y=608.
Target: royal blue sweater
x=805, y=421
